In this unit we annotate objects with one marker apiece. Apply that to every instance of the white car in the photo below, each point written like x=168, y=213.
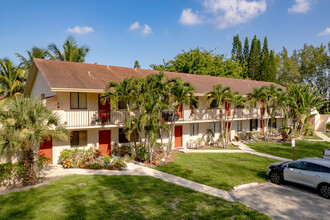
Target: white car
x=312, y=172
x=326, y=154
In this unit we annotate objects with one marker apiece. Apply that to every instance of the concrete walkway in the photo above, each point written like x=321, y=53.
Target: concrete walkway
x=243, y=148
x=321, y=135
x=137, y=170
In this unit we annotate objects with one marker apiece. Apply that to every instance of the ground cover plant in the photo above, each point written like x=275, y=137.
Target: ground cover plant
x=223, y=170
x=118, y=197
x=302, y=149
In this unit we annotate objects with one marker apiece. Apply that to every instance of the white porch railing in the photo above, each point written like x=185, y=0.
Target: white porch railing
x=83, y=118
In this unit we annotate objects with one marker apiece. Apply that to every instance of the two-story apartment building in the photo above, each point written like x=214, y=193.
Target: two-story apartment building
x=72, y=90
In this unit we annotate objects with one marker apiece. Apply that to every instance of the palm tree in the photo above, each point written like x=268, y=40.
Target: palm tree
x=181, y=93
x=303, y=100
x=258, y=100
x=71, y=51
x=237, y=101
x=12, y=79
x=29, y=123
x=218, y=96
x=35, y=52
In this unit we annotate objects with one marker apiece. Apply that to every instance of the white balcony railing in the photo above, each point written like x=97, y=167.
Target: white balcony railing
x=83, y=118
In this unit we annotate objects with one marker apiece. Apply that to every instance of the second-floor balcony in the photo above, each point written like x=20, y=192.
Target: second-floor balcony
x=85, y=118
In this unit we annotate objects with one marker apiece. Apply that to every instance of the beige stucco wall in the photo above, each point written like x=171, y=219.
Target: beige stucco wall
x=40, y=86
x=92, y=141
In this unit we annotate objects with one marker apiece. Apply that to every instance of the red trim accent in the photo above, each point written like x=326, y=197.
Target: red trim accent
x=46, y=149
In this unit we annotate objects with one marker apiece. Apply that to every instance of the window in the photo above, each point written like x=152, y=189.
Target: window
x=78, y=100
x=43, y=96
x=313, y=167
x=253, y=124
x=272, y=124
x=194, y=129
x=325, y=169
x=78, y=138
x=297, y=165
x=213, y=104
x=238, y=125
x=122, y=136
x=215, y=127
x=194, y=104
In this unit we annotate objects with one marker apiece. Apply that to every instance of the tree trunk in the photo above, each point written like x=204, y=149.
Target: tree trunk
x=30, y=168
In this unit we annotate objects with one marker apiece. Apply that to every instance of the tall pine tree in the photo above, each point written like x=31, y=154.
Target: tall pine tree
x=246, y=50
x=253, y=60
x=264, y=66
x=272, y=67
x=236, y=52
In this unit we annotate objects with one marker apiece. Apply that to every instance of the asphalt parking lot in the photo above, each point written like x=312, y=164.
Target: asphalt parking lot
x=286, y=201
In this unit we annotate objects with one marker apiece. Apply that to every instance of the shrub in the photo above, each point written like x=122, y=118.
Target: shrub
x=143, y=154
x=107, y=160
x=77, y=156
x=11, y=173
x=328, y=126
x=122, y=150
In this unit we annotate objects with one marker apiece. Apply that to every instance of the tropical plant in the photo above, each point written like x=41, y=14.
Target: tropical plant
x=35, y=52
x=12, y=79
x=181, y=93
x=303, y=100
x=237, y=101
x=25, y=123
x=218, y=97
x=71, y=51
x=258, y=100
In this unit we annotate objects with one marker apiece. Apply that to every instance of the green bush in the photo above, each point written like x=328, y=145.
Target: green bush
x=122, y=150
x=11, y=173
x=328, y=126
x=143, y=154
x=77, y=156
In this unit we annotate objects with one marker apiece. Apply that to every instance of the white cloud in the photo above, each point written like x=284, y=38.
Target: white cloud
x=301, y=6
x=146, y=30
x=233, y=12
x=325, y=32
x=189, y=18
x=81, y=30
x=134, y=26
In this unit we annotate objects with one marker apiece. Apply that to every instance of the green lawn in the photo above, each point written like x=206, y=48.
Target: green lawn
x=315, y=137
x=118, y=197
x=220, y=170
x=327, y=134
x=302, y=149
x=230, y=147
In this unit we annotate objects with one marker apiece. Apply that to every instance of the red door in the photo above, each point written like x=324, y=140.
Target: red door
x=105, y=142
x=46, y=149
x=178, y=136
x=261, y=126
x=104, y=110
x=180, y=111
x=227, y=105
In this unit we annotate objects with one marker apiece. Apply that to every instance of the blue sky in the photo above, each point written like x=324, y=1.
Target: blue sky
x=162, y=27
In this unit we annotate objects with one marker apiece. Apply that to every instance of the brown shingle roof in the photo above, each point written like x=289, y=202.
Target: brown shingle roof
x=69, y=75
